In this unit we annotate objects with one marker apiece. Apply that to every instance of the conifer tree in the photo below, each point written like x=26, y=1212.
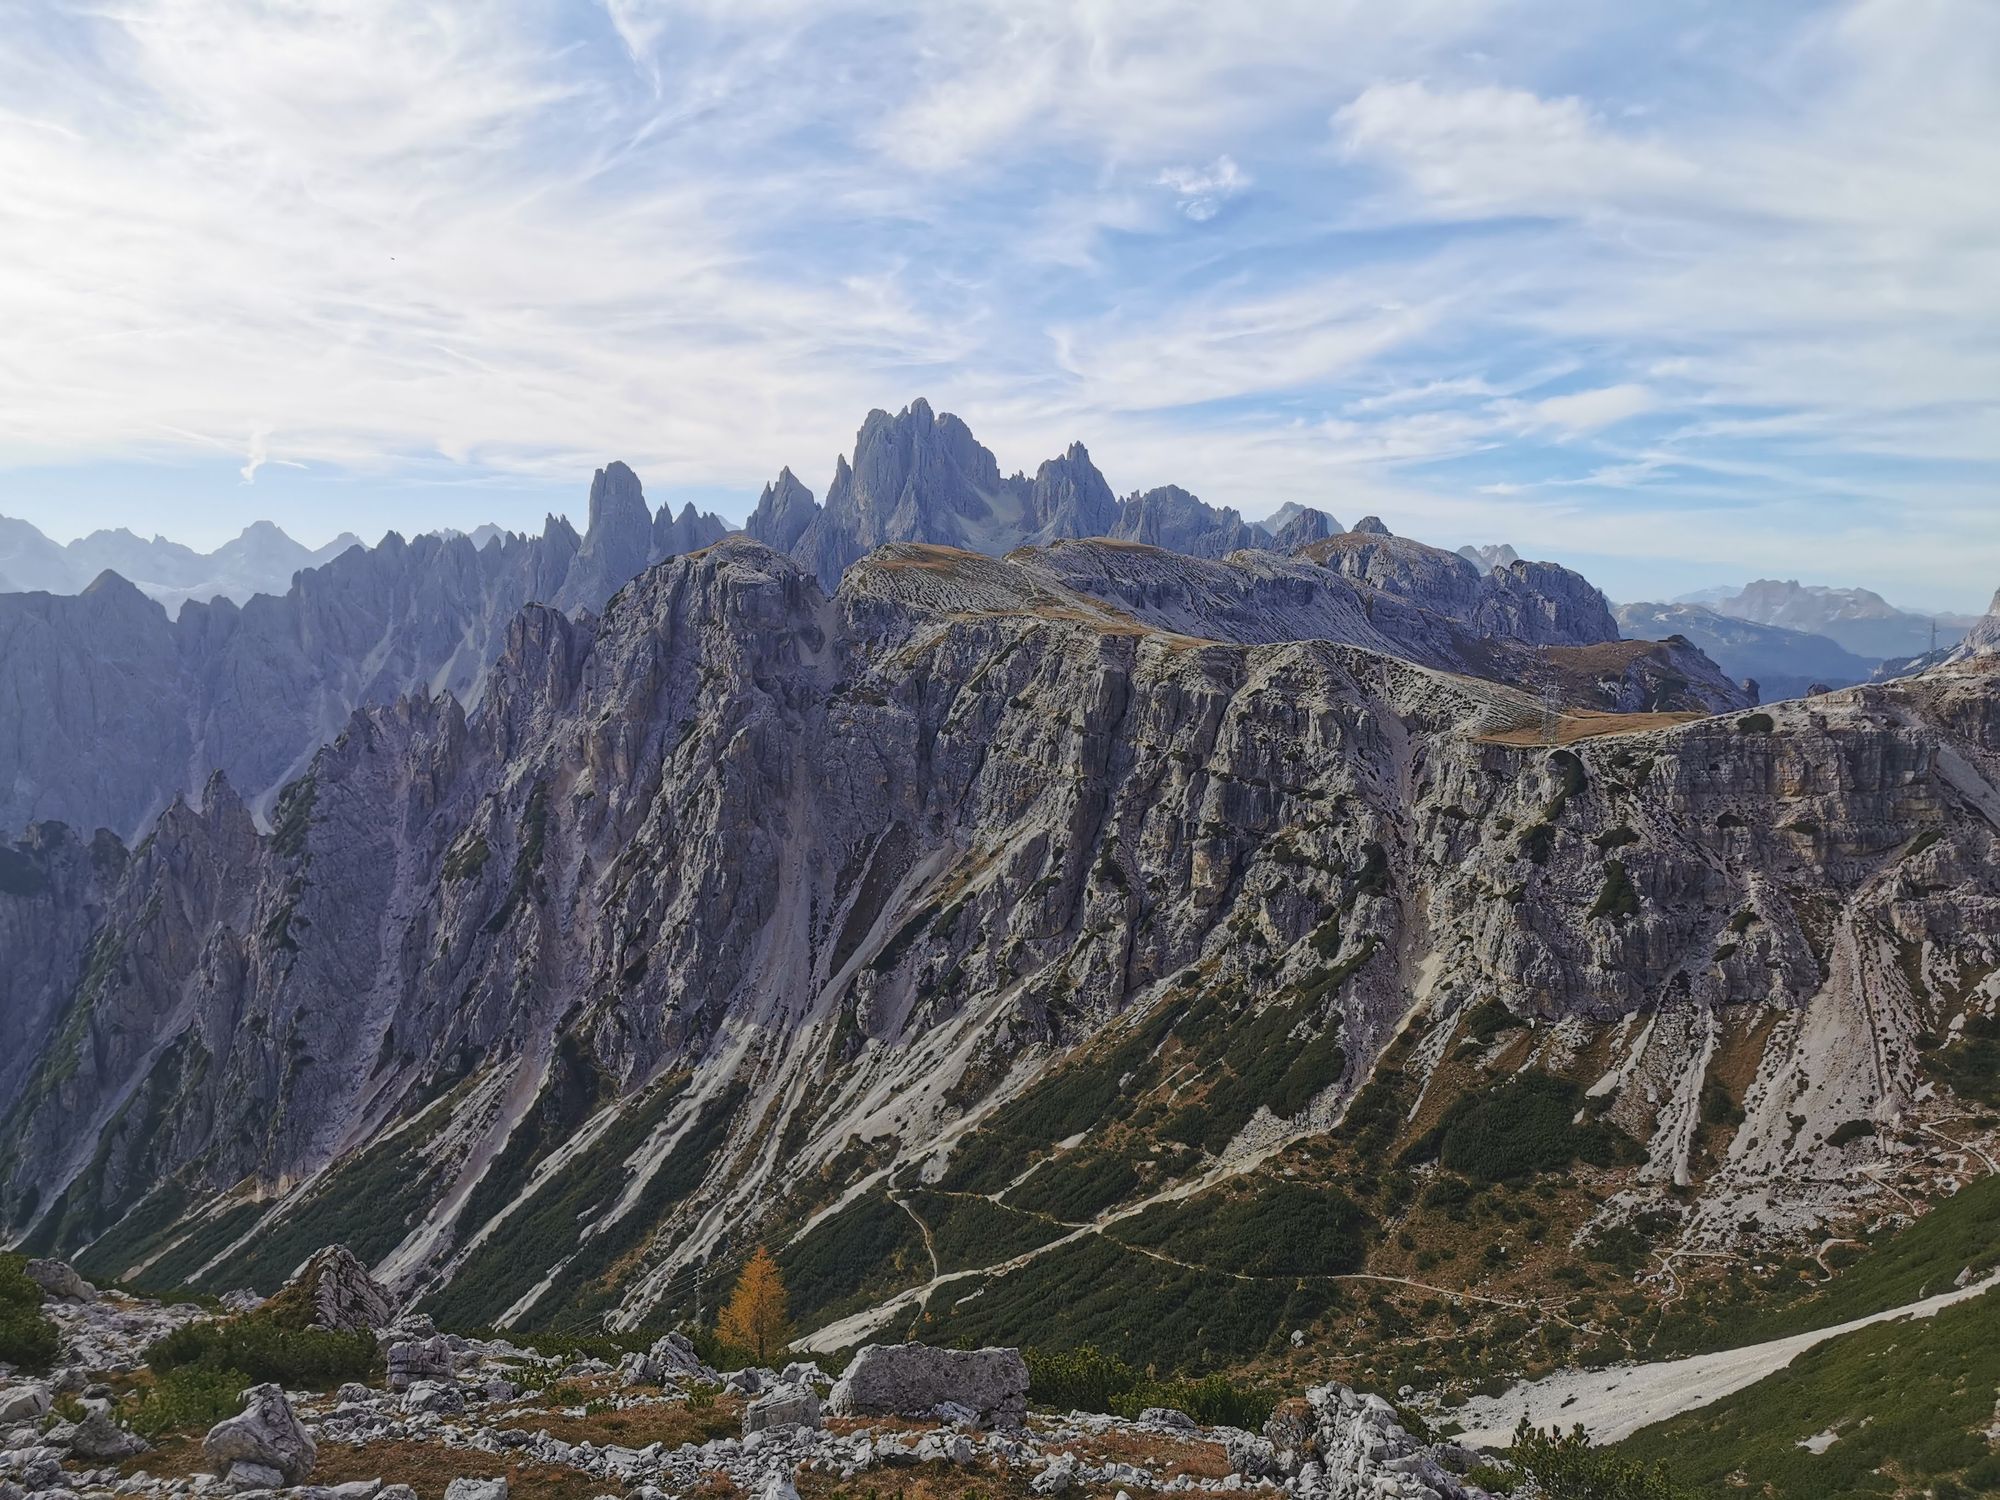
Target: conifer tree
x=754, y=1319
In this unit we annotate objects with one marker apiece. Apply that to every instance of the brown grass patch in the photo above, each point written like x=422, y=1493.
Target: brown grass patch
x=1588, y=724
x=425, y=1467
x=1165, y=1455
x=668, y=1422
x=926, y=1482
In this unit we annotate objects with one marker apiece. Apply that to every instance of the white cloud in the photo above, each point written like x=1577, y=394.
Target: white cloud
x=1588, y=411
x=1201, y=191
x=1488, y=149
x=708, y=235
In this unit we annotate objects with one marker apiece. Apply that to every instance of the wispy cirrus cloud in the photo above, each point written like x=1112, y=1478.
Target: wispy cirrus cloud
x=1541, y=270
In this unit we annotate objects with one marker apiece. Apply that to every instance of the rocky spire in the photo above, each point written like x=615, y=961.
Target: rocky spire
x=783, y=512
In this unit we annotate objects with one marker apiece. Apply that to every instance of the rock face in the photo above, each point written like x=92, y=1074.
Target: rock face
x=1984, y=637
x=782, y=1406
x=1351, y=1447
x=121, y=707
x=544, y=1003
x=921, y=476
x=1535, y=604
x=98, y=1436
x=915, y=1380
x=341, y=1293
x=411, y=1360
x=267, y=1432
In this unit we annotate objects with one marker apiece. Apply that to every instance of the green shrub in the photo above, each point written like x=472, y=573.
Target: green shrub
x=1568, y=1468
x=1756, y=724
x=1616, y=899
x=27, y=1338
x=1488, y=1019
x=1086, y=1380
x=260, y=1348
x=1519, y=1128
x=189, y=1398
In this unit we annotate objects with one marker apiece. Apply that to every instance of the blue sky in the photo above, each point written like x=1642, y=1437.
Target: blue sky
x=1679, y=293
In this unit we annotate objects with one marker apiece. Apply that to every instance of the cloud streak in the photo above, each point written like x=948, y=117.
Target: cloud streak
x=1493, y=268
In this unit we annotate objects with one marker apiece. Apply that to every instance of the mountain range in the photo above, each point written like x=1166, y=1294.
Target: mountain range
x=261, y=560
x=125, y=707
x=1072, y=941
x=921, y=476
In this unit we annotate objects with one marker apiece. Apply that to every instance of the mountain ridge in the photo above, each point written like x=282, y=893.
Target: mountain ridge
x=791, y=873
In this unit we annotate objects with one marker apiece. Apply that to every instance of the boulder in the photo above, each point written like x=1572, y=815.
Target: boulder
x=418, y=1359
x=59, y=1279
x=1252, y=1457
x=913, y=1380
x=24, y=1403
x=673, y=1358
x=98, y=1436
x=240, y=1300
x=476, y=1489
x=244, y=1475
x=336, y=1292
x=1167, y=1416
x=1057, y=1477
x=434, y=1395
x=268, y=1432
x=782, y=1406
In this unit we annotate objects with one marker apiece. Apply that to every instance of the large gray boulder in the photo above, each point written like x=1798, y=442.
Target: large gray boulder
x=267, y=1432
x=413, y=1360
x=913, y=1380
x=98, y=1436
x=782, y=1406
x=24, y=1403
x=59, y=1279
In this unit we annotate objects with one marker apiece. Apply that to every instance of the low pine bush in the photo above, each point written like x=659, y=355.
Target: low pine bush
x=1086, y=1379
x=188, y=1398
x=1566, y=1467
x=261, y=1349
x=27, y=1338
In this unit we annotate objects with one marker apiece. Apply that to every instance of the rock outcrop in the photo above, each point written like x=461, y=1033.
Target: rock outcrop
x=59, y=1278
x=339, y=1292
x=921, y=476
x=914, y=1380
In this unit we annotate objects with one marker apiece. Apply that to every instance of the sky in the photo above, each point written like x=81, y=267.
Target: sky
x=1678, y=293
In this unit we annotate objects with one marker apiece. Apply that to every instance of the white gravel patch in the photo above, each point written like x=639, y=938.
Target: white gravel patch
x=1615, y=1403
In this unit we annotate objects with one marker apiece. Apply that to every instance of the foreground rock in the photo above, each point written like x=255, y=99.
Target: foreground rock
x=782, y=1406
x=1343, y=1446
x=342, y=1296
x=914, y=1380
x=59, y=1279
x=266, y=1434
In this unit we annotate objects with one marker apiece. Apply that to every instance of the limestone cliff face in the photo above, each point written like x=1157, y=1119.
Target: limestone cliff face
x=718, y=904
x=921, y=476
x=123, y=708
